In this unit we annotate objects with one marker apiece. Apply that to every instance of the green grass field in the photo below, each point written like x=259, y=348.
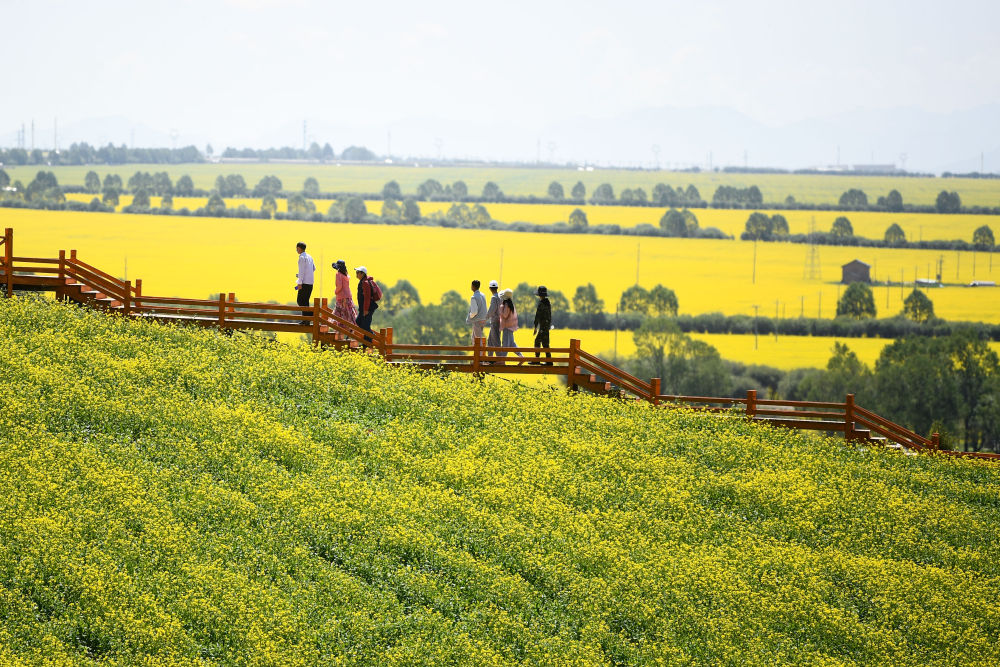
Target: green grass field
x=170, y=496
x=817, y=189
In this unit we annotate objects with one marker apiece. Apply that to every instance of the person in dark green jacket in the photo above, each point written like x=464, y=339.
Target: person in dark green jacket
x=543, y=322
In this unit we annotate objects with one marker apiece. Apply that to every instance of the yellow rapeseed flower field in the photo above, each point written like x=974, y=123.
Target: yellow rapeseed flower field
x=172, y=496
x=193, y=257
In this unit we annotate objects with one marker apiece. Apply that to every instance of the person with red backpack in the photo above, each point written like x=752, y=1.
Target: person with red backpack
x=369, y=294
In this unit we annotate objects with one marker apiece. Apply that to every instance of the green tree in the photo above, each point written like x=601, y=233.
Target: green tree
x=298, y=205
x=674, y=223
x=915, y=384
x=977, y=372
x=779, y=226
x=399, y=297
x=664, y=195
x=91, y=182
x=604, y=194
x=918, y=307
x=110, y=197
x=184, y=187
x=480, y=217
x=983, y=238
x=857, y=302
x=141, y=199
x=112, y=181
x=269, y=185
x=269, y=205
x=894, y=201
x=894, y=235
x=216, y=205
x=842, y=228
x=391, y=210
x=44, y=188
x=459, y=189
x=854, y=198
x=411, y=211
x=555, y=190
x=162, y=185
x=524, y=302
x=391, y=191
x=948, y=202
x=685, y=366
x=662, y=302
x=579, y=190
x=635, y=299
x=492, y=191
x=167, y=202
x=354, y=210
x=310, y=187
x=429, y=189
x=586, y=301
x=578, y=219
x=759, y=226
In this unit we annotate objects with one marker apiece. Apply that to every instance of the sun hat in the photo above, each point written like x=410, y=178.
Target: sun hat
x=508, y=293
x=494, y=283
x=541, y=291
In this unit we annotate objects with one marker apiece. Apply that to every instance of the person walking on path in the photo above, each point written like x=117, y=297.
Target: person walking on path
x=477, y=312
x=508, y=323
x=543, y=322
x=305, y=276
x=345, y=302
x=368, y=295
x=493, y=317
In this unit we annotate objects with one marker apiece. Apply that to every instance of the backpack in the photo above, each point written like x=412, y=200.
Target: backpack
x=376, y=291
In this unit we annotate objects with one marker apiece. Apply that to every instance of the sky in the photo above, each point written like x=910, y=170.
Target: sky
x=241, y=72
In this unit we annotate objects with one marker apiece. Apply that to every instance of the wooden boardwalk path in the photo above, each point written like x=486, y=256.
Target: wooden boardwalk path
x=72, y=279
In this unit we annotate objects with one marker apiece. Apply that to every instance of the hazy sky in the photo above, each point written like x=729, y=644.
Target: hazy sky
x=227, y=68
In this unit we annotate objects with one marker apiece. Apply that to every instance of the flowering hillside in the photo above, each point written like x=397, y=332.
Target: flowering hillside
x=177, y=496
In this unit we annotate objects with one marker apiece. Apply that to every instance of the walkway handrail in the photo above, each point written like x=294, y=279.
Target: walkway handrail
x=226, y=312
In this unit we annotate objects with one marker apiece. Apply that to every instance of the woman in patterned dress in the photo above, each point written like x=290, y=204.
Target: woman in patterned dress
x=345, y=301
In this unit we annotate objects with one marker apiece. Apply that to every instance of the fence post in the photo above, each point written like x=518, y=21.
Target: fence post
x=61, y=290
x=574, y=349
x=138, y=293
x=8, y=258
x=655, y=396
x=127, y=303
x=849, y=417
x=315, y=321
x=387, y=343
x=222, y=310
x=477, y=346
x=752, y=403
x=935, y=442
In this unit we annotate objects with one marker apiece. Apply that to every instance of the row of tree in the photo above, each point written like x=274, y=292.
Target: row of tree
x=84, y=153
x=762, y=227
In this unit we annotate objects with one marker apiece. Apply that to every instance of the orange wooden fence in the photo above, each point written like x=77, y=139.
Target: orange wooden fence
x=71, y=278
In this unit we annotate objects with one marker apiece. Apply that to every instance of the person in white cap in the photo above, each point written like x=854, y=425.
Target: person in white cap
x=477, y=312
x=493, y=318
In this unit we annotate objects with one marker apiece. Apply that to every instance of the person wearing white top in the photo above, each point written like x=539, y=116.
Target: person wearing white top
x=304, y=279
x=477, y=312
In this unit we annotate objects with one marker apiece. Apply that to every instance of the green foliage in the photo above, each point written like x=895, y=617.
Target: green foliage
x=411, y=210
x=355, y=209
x=603, y=194
x=586, y=301
x=842, y=228
x=399, y=297
x=760, y=226
x=268, y=185
x=918, y=307
x=44, y=188
x=492, y=191
x=555, y=190
x=91, y=182
x=948, y=202
x=579, y=190
x=310, y=187
x=391, y=191
x=176, y=496
x=685, y=366
x=459, y=189
x=299, y=205
x=983, y=238
x=429, y=189
x=216, y=205
x=184, y=188
x=894, y=235
x=857, y=302
x=578, y=219
x=854, y=198
x=141, y=199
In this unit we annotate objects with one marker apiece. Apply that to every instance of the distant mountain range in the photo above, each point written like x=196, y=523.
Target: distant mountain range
x=671, y=137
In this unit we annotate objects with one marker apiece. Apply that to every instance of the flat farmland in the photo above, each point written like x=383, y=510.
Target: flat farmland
x=521, y=181
x=193, y=257
x=917, y=226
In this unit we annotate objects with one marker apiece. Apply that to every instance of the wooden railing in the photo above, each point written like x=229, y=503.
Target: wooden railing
x=581, y=369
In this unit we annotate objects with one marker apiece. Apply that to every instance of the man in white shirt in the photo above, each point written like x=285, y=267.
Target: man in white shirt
x=304, y=282
x=477, y=312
